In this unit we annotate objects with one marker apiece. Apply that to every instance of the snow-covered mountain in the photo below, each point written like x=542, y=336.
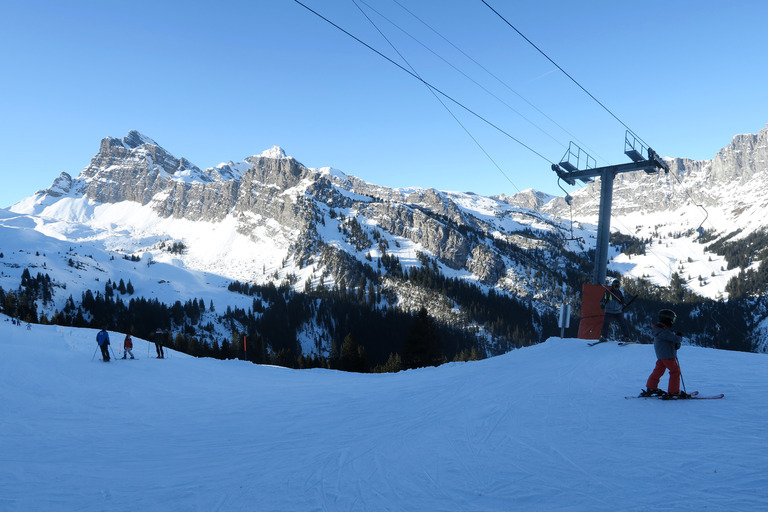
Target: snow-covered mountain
x=269, y=219
x=539, y=428
x=181, y=233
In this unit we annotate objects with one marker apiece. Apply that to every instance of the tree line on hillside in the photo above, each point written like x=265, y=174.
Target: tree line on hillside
x=367, y=333
x=363, y=338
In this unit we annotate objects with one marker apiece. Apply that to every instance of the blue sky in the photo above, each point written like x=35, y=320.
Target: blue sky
x=218, y=83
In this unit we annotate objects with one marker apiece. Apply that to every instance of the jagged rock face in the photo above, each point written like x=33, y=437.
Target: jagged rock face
x=486, y=265
x=265, y=190
x=132, y=169
x=447, y=244
x=196, y=201
x=61, y=185
x=742, y=160
x=137, y=169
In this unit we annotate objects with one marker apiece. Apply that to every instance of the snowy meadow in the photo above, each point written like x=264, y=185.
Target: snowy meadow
x=540, y=428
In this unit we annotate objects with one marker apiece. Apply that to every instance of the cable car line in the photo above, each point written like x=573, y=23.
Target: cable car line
x=466, y=130
x=502, y=82
x=510, y=107
x=434, y=93
x=427, y=83
x=564, y=72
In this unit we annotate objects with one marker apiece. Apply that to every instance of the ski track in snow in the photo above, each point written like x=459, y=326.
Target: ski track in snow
x=540, y=428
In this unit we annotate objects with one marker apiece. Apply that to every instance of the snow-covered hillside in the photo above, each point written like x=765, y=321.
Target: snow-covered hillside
x=705, y=273
x=39, y=246
x=540, y=428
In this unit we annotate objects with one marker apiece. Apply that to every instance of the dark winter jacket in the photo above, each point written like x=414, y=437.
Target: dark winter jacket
x=613, y=301
x=102, y=338
x=665, y=342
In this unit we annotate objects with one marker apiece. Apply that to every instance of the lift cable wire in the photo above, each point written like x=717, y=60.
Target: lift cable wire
x=502, y=82
x=564, y=72
x=510, y=107
x=534, y=205
x=428, y=84
x=431, y=90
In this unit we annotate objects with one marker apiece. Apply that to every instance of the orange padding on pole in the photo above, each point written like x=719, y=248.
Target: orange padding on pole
x=591, y=314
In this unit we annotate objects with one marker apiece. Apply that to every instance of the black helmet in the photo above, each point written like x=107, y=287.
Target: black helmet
x=616, y=283
x=667, y=316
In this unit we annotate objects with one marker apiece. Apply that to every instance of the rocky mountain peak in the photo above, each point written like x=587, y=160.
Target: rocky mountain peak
x=135, y=139
x=275, y=152
x=61, y=185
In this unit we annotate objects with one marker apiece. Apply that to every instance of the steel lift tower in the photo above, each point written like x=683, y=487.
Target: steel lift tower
x=643, y=159
x=577, y=165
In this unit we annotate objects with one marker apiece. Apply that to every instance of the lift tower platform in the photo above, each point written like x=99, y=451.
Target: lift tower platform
x=643, y=159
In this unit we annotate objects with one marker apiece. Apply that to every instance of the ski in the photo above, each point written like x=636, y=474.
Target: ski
x=694, y=396
x=621, y=343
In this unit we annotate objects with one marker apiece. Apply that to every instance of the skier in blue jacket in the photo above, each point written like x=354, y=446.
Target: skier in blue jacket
x=102, y=338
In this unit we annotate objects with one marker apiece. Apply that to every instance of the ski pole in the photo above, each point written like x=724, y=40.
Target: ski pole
x=682, y=381
x=94, y=353
x=625, y=306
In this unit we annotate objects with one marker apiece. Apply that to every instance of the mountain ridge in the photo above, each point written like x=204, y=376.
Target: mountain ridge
x=269, y=218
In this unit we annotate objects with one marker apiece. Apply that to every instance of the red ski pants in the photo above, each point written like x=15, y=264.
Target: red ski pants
x=674, y=375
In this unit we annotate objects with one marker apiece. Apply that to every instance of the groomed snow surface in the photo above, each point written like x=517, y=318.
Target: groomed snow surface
x=543, y=428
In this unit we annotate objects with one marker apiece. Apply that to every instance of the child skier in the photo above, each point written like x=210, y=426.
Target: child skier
x=666, y=344
x=128, y=346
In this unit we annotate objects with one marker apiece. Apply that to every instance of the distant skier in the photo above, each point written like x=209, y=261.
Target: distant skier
x=613, y=304
x=666, y=344
x=159, y=343
x=128, y=346
x=102, y=338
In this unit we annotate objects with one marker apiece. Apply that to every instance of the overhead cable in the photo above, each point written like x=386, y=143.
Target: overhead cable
x=434, y=93
x=489, y=72
x=563, y=71
x=417, y=77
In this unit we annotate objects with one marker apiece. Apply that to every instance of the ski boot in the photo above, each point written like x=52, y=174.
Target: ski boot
x=653, y=392
x=682, y=395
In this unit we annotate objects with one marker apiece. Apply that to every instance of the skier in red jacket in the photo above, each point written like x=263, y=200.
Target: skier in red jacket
x=128, y=346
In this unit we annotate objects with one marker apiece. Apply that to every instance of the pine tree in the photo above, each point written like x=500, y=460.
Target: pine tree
x=422, y=345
